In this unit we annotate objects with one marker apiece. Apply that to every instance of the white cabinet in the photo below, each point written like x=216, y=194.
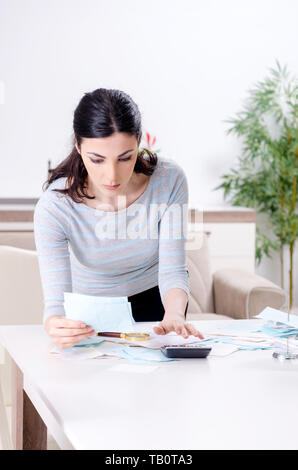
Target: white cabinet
x=232, y=245
x=231, y=236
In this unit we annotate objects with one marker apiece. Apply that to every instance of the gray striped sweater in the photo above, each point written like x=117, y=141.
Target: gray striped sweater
x=103, y=253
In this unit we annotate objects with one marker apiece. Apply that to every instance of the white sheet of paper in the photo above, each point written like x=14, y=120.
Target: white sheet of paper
x=88, y=352
x=157, y=341
x=278, y=315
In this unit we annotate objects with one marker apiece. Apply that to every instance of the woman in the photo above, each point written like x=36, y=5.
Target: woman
x=101, y=227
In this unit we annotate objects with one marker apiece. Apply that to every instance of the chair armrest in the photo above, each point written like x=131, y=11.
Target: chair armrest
x=241, y=294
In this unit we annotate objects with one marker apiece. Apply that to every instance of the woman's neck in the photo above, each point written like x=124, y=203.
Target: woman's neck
x=135, y=187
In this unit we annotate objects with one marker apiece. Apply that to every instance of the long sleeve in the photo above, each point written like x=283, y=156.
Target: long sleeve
x=172, y=236
x=50, y=232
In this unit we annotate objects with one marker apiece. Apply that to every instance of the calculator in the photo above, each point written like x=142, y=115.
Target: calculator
x=186, y=350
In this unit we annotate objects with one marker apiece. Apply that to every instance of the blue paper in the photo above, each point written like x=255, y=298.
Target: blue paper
x=101, y=313
x=278, y=329
x=136, y=354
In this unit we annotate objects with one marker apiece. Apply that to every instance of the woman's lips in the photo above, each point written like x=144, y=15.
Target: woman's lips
x=112, y=187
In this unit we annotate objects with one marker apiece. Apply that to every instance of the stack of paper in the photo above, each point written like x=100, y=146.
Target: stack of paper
x=243, y=334
x=281, y=326
x=272, y=314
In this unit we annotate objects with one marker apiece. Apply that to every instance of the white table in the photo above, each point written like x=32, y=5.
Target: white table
x=244, y=401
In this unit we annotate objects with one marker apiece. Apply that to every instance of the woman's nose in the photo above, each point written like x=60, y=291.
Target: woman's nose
x=111, y=176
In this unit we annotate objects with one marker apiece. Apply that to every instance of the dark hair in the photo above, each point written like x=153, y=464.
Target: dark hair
x=100, y=113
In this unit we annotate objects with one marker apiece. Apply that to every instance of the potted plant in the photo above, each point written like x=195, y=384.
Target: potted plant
x=267, y=169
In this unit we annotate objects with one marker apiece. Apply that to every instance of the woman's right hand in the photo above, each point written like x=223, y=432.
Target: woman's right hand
x=65, y=333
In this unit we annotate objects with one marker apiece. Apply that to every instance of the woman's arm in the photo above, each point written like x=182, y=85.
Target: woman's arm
x=173, y=273
x=174, y=302
x=51, y=240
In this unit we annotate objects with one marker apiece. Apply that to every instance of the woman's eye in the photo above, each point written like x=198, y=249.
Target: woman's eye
x=122, y=160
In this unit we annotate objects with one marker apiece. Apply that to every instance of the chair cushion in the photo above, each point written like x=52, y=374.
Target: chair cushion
x=242, y=294
x=206, y=316
x=20, y=287
x=200, y=275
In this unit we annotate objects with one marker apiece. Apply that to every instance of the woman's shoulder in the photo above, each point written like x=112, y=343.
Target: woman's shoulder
x=49, y=196
x=168, y=164
x=170, y=169
x=59, y=183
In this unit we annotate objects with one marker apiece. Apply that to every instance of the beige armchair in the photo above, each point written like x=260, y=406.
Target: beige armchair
x=227, y=293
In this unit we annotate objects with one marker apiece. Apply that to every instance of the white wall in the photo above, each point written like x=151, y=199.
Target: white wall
x=188, y=65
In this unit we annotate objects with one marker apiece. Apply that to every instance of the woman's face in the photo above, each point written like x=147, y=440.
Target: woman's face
x=109, y=161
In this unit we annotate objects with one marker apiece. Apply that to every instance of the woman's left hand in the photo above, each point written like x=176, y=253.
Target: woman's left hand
x=178, y=324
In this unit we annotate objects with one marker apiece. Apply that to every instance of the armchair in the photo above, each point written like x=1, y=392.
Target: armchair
x=228, y=293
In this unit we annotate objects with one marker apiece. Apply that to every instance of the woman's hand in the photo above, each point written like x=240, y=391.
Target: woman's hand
x=66, y=333
x=176, y=323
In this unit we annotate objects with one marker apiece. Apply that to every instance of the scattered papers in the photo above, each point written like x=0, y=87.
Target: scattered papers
x=133, y=354
x=278, y=316
x=243, y=334
x=247, y=329
x=239, y=343
x=279, y=324
x=279, y=329
x=88, y=352
x=157, y=341
x=114, y=314
x=136, y=354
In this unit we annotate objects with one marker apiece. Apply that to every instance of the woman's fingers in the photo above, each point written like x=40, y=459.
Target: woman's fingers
x=71, y=331
x=179, y=328
x=67, y=323
x=181, y=331
x=193, y=331
x=68, y=341
x=185, y=329
x=159, y=330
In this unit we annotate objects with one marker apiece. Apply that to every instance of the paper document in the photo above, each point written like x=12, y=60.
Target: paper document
x=278, y=316
x=133, y=354
x=101, y=313
x=157, y=341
